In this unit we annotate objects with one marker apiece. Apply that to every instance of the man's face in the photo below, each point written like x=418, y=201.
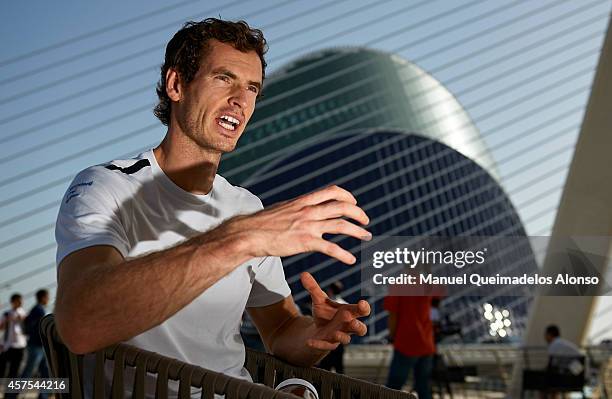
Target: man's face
x=548, y=338
x=16, y=303
x=217, y=104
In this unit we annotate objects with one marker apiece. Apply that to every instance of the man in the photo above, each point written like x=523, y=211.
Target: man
x=161, y=252
x=565, y=369
x=13, y=339
x=411, y=330
x=563, y=355
x=558, y=346
x=36, y=362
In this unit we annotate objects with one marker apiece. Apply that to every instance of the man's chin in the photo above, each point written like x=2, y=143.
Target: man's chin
x=223, y=148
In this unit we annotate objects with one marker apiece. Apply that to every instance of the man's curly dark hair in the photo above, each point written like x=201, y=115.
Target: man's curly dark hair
x=190, y=45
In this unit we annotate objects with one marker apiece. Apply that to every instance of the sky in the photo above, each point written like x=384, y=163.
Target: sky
x=77, y=88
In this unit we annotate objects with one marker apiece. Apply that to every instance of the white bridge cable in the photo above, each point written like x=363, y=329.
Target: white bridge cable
x=432, y=194
x=65, y=179
x=49, y=226
x=139, y=72
x=350, y=270
x=51, y=246
x=414, y=185
x=446, y=206
x=247, y=147
x=80, y=56
x=88, y=35
x=114, y=62
x=159, y=47
x=18, y=238
x=394, y=33
x=352, y=68
x=499, y=128
x=371, y=205
x=28, y=131
x=60, y=180
x=571, y=14
x=513, y=228
x=518, y=262
x=423, y=199
x=88, y=128
x=436, y=121
x=520, y=18
x=51, y=265
x=68, y=178
x=424, y=181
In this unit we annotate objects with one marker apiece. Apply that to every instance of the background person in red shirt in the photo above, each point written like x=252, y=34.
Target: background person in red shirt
x=411, y=330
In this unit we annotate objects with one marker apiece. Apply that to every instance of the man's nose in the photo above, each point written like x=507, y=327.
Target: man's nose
x=239, y=97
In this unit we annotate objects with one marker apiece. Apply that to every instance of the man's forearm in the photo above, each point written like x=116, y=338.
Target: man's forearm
x=290, y=342
x=112, y=303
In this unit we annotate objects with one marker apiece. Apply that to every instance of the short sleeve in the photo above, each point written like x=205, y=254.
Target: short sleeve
x=391, y=303
x=269, y=286
x=89, y=215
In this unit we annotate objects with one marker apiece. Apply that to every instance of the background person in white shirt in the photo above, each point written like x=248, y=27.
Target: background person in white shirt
x=558, y=346
x=13, y=341
x=564, y=357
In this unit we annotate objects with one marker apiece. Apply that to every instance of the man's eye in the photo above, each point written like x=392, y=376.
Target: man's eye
x=254, y=89
x=224, y=78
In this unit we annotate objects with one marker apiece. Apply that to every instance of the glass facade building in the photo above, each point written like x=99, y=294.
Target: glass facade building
x=390, y=133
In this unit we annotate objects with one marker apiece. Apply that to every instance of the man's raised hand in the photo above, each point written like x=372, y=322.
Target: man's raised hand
x=298, y=225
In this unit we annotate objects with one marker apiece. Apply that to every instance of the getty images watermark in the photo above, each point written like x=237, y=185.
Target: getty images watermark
x=484, y=266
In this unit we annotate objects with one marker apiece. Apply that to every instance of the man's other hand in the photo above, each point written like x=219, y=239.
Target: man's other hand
x=334, y=323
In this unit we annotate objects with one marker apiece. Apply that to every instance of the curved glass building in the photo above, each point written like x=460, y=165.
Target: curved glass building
x=390, y=133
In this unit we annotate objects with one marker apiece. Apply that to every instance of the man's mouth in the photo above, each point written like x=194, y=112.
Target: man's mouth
x=228, y=122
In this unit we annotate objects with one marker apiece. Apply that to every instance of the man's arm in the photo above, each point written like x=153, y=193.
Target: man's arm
x=304, y=340
x=103, y=299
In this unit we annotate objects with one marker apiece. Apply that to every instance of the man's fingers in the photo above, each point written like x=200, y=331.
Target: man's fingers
x=341, y=226
x=327, y=194
x=334, y=250
x=360, y=309
x=338, y=209
x=321, y=344
x=363, y=307
x=310, y=284
x=356, y=327
x=341, y=337
x=331, y=340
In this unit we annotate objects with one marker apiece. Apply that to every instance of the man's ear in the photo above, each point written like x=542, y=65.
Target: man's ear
x=173, y=85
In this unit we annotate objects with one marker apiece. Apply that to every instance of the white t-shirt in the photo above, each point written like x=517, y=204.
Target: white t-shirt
x=562, y=347
x=13, y=335
x=133, y=206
